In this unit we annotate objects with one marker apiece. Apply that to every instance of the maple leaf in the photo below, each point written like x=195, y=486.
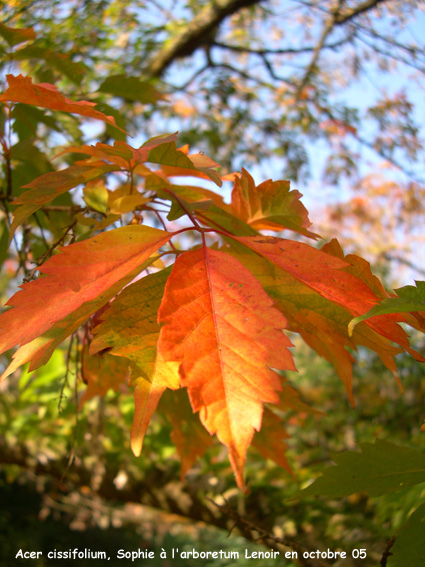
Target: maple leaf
x=188, y=435
x=129, y=329
x=50, y=185
x=77, y=275
x=102, y=372
x=410, y=299
x=322, y=324
x=270, y=205
x=222, y=328
x=39, y=350
x=15, y=36
x=334, y=277
x=270, y=440
x=21, y=89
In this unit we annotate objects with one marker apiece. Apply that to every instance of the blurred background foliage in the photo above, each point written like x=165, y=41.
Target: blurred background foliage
x=278, y=86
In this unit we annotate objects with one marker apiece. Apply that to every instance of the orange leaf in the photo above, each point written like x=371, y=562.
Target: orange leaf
x=77, y=275
x=188, y=435
x=147, y=394
x=21, y=89
x=270, y=440
x=319, y=270
x=102, y=372
x=50, y=185
x=319, y=291
x=222, y=327
x=322, y=323
x=269, y=206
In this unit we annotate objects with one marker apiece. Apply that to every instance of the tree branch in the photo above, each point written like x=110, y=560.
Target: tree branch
x=324, y=36
x=338, y=16
x=157, y=489
x=387, y=553
x=283, y=51
x=346, y=15
x=195, y=34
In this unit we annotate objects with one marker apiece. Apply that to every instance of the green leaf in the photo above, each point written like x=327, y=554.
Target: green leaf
x=168, y=154
x=380, y=468
x=74, y=71
x=50, y=185
x=409, y=547
x=15, y=36
x=129, y=325
x=27, y=118
x=130, y=88
x=96, y=196
x=410, y=298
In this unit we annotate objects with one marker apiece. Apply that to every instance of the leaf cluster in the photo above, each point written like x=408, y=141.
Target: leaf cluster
x=214, y=322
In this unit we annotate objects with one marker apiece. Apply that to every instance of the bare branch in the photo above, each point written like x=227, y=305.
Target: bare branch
x=325, y=32
x=283, y=51
x=346, y=15
x=338, y=16
x=195, y=34
x=387, y=552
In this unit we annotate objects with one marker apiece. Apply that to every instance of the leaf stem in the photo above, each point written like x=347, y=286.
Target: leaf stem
x=186, y=210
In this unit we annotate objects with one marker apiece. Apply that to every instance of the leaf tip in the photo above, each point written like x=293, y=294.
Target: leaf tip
x=136, y=444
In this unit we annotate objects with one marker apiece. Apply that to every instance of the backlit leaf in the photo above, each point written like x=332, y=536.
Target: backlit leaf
x=270, y=205
x=22, y=89
x=321, y=322
x=221, y=326
x=334, y=277
x=75, y=276
x=129, y=329
x=410, y=299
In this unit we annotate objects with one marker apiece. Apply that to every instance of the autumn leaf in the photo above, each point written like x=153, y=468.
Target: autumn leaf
x=129, y=328
x=188, y=435
x=410, y=299
x=77, y=275
x=222, y=328
x=321, y=323
x=269, y=206
x=50, y=185
x=21, y=89
x=102, y=372
x=334, y=277
x=15, y=36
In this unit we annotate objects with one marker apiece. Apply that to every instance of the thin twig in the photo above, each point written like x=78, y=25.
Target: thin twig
x=387, y=552
x=265, y=536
